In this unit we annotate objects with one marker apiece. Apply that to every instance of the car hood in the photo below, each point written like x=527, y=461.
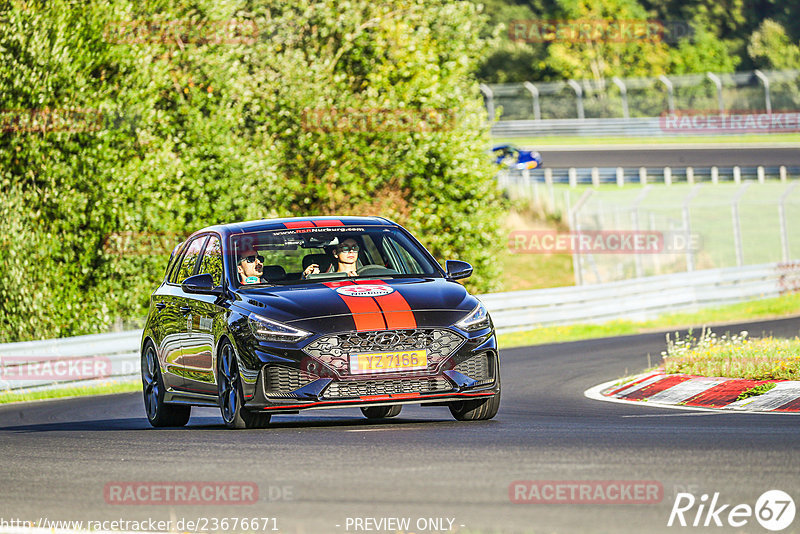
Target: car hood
x=361, y=304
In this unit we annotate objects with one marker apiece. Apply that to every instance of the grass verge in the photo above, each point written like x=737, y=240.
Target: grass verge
x=735, y=356
x=756, y=391
x=72, y=391
x=533, y=271
x=786, y=305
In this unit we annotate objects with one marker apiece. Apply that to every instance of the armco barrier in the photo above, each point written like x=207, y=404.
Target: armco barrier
x=634, y=127
x=611, y=127
x=575, y=176
x=119, y=350
x=640, y=298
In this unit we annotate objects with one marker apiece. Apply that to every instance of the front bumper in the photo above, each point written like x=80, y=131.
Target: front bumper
x=470, y=371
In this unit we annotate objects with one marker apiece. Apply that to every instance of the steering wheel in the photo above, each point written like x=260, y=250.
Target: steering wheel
x=374, y=269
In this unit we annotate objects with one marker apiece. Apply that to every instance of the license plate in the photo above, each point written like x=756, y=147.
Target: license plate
x=387, y=362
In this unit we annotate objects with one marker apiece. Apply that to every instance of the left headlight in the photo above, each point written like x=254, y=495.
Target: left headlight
x=269, y=330
x=477, y=319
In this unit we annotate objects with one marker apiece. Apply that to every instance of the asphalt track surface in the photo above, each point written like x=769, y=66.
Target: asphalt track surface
x=661, y=156
x=317, y=469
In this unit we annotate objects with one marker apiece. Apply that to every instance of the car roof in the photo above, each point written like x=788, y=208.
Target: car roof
x=294, y=222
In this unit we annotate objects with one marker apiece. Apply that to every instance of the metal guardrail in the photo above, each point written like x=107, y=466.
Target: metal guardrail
x=611, y=127
x=65, y=362
x=640, y=298
x=575, y=176
x=633, y=127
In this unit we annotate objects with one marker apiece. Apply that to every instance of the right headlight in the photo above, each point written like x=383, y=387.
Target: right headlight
x=477, y=319
x=269, y=330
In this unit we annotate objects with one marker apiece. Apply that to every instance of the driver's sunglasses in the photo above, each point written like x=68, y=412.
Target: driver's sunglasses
x=348, y=248
x=252, y=258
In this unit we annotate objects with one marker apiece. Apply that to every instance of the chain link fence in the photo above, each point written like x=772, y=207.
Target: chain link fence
x=619, y=233
x=625, y=98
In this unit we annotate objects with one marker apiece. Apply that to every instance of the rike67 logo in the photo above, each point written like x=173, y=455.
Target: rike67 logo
x=774, y=510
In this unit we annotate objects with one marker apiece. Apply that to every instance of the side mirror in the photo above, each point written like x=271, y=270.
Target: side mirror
x=457, y=269
x=202, y=284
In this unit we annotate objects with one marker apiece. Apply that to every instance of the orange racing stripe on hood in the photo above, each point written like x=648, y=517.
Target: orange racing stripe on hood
x=394, y=306
x=366, y=313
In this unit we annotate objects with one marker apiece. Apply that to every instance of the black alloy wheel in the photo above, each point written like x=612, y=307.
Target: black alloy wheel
x=229, y=388
x=159, y=413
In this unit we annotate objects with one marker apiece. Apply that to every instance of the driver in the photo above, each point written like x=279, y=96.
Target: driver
x=250, y=267
x=346, y=254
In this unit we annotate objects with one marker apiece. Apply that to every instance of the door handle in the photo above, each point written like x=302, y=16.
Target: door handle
x=161, y=305
x=185, y=309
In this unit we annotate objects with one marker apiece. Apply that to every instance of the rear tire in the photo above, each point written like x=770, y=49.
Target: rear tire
x=476, y=410
x=229, y=391
x=381, y=412
x=159, y=413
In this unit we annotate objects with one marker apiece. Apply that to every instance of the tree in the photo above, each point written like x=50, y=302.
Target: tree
x=702, y=51
x=629, y=54
x=185, y=115
x=771, y=48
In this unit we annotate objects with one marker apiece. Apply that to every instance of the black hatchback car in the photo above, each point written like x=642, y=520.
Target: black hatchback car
x=278, y=316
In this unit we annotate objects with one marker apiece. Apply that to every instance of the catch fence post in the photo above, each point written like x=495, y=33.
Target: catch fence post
x=737, y=226
x=687, y=226
x=782, y=217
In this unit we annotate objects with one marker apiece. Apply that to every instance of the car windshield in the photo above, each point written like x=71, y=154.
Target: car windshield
x=302, y=255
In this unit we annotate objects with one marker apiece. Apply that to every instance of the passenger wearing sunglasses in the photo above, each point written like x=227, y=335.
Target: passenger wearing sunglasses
x=251, y=267
x=346, y=254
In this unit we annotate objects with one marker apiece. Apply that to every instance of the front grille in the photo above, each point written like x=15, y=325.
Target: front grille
x=357, y=388
x=477, y=368
x=333, y=350
x=279, y=381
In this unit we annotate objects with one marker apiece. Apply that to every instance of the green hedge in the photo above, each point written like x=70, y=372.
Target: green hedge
x=177, y=125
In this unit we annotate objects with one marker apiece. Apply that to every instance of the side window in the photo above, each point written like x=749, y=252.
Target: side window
x=212, y=260
x=190, y=259
x=371, y=253
x=410, y=263
x=173, y=259
x=176, y=263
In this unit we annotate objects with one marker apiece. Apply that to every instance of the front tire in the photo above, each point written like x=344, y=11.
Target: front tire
x=159, y=413
x=476, y=410
x=381, y=412
x=229, y=390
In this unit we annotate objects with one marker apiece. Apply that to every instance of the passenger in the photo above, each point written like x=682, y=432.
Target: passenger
x=251, y=267
x=346, y=254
